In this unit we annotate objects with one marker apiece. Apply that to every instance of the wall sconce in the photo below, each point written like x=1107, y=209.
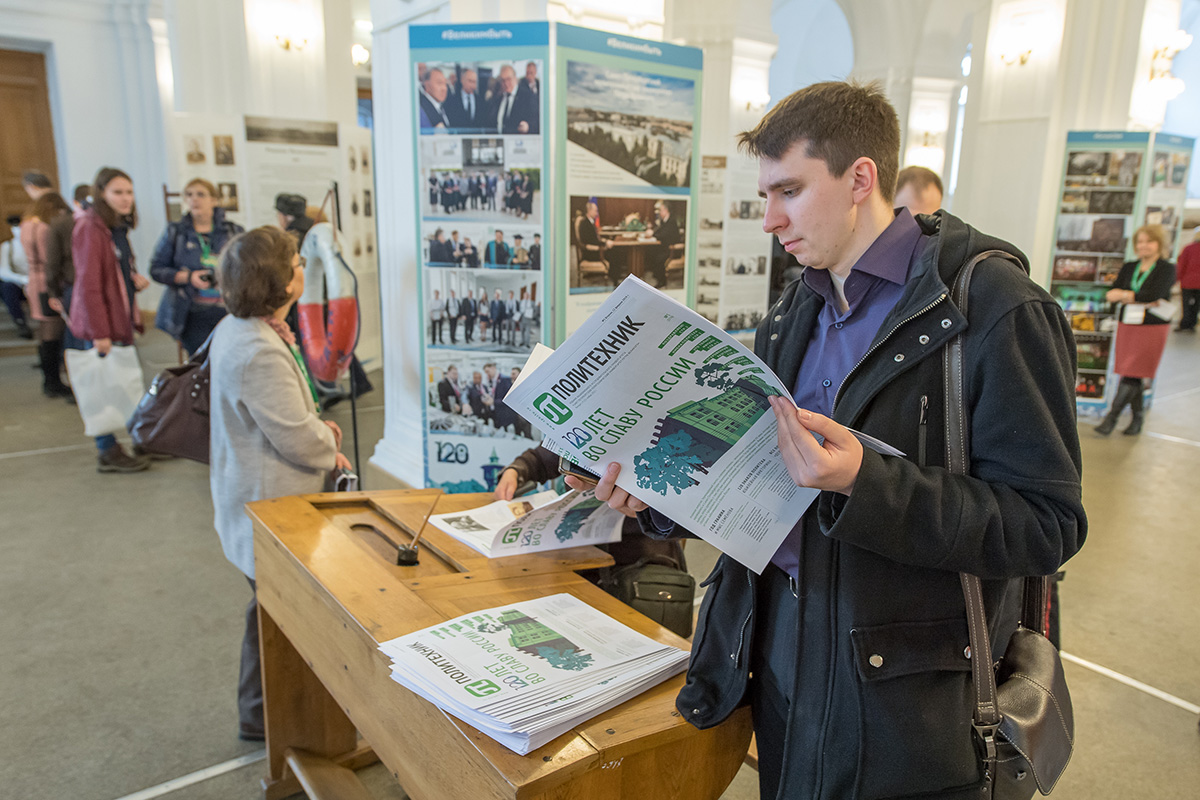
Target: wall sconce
x=1162, y=83
x=750, y=92
x=1021, y=34
x=359, y=55
x=288, y=43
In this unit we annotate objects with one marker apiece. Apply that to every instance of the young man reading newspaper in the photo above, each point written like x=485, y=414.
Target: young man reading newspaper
x=849, y=646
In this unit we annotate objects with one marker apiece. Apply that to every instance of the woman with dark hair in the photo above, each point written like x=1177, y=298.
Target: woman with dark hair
x=35, y=238
x=1141, y=334
x=266, y=437
x=185, y=259
x=102, y=303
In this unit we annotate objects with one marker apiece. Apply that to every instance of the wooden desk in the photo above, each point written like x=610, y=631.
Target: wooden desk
x=329, y=593
x=634, y=249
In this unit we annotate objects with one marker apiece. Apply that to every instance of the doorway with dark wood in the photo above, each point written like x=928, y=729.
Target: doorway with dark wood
x=27, y=133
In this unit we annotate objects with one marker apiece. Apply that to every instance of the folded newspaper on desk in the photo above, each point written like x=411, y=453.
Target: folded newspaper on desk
x=533, y=524
x=527, y=672
x=683, y=407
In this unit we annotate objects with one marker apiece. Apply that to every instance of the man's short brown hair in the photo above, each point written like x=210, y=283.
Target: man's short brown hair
x=839, y=122
x=921, y=178
x=256, y=268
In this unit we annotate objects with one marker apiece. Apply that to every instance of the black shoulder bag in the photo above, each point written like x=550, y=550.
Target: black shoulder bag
x=1023, y=716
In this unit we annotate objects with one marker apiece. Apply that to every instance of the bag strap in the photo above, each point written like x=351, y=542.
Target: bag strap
x=986, y=717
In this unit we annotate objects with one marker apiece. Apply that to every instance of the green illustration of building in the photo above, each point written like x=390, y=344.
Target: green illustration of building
x=694, y=435
x=718, y=422
x=530, y=636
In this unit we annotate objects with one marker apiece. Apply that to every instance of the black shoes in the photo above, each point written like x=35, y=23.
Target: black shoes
x=115, y=459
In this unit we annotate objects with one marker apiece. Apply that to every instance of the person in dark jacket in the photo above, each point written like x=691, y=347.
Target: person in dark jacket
x=850, y=647
x=668, y=234
x=1139, y=345
x=291, y=211
x=185, y=260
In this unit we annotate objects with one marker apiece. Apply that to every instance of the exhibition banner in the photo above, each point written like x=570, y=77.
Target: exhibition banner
x=1113, y=182
x=627, y=178
x=479, y=107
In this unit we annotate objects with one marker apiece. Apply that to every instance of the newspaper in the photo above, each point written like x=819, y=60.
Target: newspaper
x=527, y=672
x=533, y=524
x=683, y=408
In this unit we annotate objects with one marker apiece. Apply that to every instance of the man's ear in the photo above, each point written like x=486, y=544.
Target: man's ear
x=865, y=179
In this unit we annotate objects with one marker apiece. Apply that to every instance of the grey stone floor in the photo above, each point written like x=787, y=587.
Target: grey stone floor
x=122, y=619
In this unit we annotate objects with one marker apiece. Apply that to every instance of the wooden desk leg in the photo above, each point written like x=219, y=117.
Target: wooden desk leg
x=299, y=712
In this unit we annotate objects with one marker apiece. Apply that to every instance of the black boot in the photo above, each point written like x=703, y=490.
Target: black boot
x=1125, y=394
x=1139, y=414
x=52, y=355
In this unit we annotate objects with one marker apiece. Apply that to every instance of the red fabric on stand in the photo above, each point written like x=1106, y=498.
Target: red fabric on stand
x=1139, y=349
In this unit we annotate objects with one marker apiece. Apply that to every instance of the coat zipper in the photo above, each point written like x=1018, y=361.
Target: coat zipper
x=737, y=654
x=837, y=397
x=921, y=429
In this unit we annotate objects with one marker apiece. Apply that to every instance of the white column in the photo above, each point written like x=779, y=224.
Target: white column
x=1083, y=61
x=401, y=452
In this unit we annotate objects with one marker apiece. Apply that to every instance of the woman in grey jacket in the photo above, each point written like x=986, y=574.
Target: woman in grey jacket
x=266, y=437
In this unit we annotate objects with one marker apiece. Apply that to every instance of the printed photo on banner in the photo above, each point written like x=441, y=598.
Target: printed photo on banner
x=637, y=121
x=1103, y=168
x=193, y=148
x=500, y=97
x=612, y=237
x=1075, y=268
x=229, y=196
x=223, y=151
x=482, y=194
x=479, y=246
x=494, y=310
x=465, y=394
x=272, y=130
x=1092, y=234
x=742, y=319
x=746, y=265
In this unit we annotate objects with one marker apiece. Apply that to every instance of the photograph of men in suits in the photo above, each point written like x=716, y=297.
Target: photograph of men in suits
x=535, y=252
x=463, y=108
x=498, y=314
x=531, y=82
x=437, y=314
x=454, y=314
x=433, y=92
x=513, y=111
x=475, y=396
x=449, y=394
x=512, y=310
x=667, y=233
x=466, y=308
x=502, y=415
x=496, y=253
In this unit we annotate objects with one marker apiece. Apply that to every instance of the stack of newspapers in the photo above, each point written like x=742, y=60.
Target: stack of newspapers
x=527, y=672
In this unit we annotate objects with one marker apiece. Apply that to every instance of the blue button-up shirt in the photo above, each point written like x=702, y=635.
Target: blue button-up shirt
x=842, y=338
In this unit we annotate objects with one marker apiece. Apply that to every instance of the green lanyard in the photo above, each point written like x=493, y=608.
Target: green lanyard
x=304, y=371
x=1139, y=278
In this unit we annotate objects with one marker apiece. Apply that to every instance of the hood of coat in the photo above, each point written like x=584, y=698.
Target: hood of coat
x=958, y=243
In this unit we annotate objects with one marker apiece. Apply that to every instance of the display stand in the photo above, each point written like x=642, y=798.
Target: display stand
x=329, y=591
x=1113, y=182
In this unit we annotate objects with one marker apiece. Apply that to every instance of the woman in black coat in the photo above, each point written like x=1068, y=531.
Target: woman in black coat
x=1139, y=345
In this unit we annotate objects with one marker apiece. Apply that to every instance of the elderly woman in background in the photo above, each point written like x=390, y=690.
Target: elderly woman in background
x=185, y=259
x=266, y=438
x=1142, y=334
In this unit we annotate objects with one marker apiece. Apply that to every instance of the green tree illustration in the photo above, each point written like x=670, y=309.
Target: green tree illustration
x=669, y=464
x=573, y=660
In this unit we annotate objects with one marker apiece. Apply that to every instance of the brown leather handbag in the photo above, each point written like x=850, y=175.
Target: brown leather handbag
x=1023, y=718
x=172, y=416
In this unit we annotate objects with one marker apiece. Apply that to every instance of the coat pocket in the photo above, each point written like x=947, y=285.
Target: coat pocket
x=915, y=703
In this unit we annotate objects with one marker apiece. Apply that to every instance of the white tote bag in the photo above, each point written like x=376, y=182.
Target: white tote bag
x=107, y=389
